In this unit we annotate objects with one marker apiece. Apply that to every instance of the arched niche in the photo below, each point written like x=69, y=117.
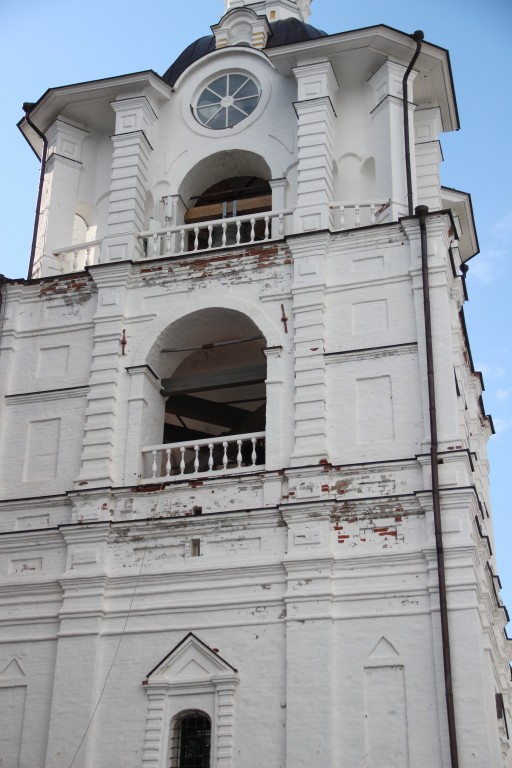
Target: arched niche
x=368, y=179
x=84, y=224
x=349, y=177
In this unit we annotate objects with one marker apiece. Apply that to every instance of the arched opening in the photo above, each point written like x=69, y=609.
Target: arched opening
x=230, y=198
x=235, y=196
x=212, y=370
x=191, y=740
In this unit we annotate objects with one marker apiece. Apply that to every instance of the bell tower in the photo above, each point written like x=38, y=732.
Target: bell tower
x=244, y=497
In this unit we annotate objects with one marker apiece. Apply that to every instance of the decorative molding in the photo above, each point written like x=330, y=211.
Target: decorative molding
x=47, y=395
x=193, y=669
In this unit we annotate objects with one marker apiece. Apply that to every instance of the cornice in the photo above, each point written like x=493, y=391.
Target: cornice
x=47, y=395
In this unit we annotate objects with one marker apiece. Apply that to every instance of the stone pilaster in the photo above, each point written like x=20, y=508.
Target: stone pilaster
x=316, y=86
x=155, y=727
x=309, y=653
x=389, y=146
x=134, y=118
x=225, y=720
x=145, y=419
x=309, y=324
x=60, y=191
x=449, y=430
x=278, y=187
x=103, y=429
x=427, y=127
x=79, y=675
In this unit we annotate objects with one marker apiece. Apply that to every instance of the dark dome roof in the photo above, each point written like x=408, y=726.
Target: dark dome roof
x=282, y=32
x=291, y=30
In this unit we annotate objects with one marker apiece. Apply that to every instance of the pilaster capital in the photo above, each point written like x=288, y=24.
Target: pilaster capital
x=387, y=81
x=427, y=125
x=315, y=80
x=65, y=140
x=133, y=114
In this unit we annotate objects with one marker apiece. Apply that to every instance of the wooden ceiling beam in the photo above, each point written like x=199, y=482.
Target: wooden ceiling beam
x=206, y=382
x=199, y=409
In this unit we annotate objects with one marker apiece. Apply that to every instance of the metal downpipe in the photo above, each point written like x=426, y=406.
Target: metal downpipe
x=418, y=37
x=421, y=212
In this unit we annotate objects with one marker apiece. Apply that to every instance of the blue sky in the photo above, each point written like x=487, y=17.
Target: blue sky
x=54, y=43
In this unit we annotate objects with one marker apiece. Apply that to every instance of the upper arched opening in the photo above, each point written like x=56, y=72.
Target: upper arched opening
x=221, y=168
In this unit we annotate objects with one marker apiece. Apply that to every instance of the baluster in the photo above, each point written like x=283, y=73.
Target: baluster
x=210, y=457
x=238, y=225
x=168, y=463
x=225, y=455
x=182, y=240
x=75, y=261
x=196, y=459
x=210, y=235
x=168, y=241
x=154, y=466
x=239, y=454
x=267, y=228
x=224, y=231
x=87, y=257
x=372, y=214
x=196, y=238
x=98, y=260
x=358, y=217
x=281, y=224
x=155, y=246
x=182, y=462
x=62, y=258
x=342, y=217
x=253, y=454
x=253, y=222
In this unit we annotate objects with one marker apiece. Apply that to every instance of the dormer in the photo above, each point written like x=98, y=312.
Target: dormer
x=241, y=26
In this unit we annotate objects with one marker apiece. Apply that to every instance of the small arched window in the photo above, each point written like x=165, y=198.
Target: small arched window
x=191, y=740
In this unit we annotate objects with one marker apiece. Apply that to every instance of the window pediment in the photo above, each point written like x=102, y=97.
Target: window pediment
x=189, y=662
x=191, y=675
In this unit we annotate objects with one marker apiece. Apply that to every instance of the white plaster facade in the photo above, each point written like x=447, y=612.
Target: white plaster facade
x=292, y=595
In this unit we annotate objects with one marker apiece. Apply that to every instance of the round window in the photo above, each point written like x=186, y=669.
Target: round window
x=226, y=101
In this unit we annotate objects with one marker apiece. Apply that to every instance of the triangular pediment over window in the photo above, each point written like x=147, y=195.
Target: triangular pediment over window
x=193, y=673
x=190, y=661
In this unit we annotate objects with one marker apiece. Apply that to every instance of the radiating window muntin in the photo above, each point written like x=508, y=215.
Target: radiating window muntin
x=226, y=101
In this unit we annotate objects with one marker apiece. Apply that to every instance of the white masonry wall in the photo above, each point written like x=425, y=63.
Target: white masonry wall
x=319, y=578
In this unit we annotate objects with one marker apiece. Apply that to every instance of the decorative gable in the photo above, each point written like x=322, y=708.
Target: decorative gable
x=190, y=661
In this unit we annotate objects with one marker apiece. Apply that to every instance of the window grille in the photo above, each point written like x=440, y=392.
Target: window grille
x=192, y=741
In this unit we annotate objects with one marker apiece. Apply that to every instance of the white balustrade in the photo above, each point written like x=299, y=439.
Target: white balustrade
x=211, y=235
x=203, y=458
x=221, y=233
x=75, y=258
x=354, y=215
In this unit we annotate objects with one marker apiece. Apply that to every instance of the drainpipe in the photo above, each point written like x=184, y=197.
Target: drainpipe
x=418, y=37
x=27, y=108
x=421, y=212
